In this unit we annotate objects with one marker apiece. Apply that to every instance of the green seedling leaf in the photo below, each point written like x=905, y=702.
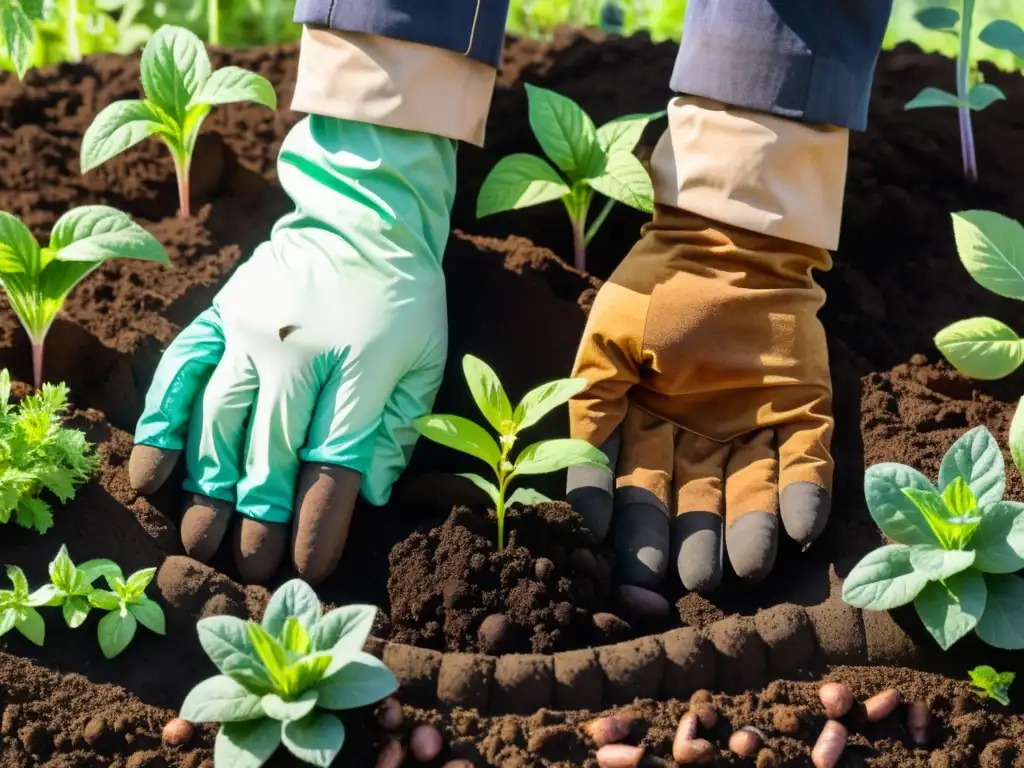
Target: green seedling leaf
x=246, y=744
x=981, y=347
x=1017, y=436
x=31, y=625
x=362, y=680
x=343, y=630
x=315, y=740
x=939, y=564
x=626, y=181
x=18, y=35
x=998, y=542
x=118, y=127
x=976, y=457
x=994, y=685
x=294, y=637
x=230, y=85
x=76, y=610
x=519, y=181
x=984, y=95
x=930, y=98
x=564, y=131
x=891, y=509
x=527, y=497
x=553, y=455
x=149, y=614
x=991, y=248
x=174, y=68
x=286, y=711
x=959, y=499
x=622, y=134
x=483, y=484
x=460, y=434
x=540, y=401
x=224, y=637
x=952, y=609
x=105, y=601
x=115, y=632
x=884, y=579
x=1002, y=624
x=952, y=533
x=937, y=18
x=487, y=392
x=294, y=599
x=220, y=700
x=1004, y=35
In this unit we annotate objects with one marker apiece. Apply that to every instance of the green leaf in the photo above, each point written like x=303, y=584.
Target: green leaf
x=564, y=131
x=981, y=347
x=484, y=485
x=932, y=97
x=488, y=394
x=527, y=497
x=995, y=685
x=174, y=68
x=76, y=610
x=1004, y=35
x=937, y=17
x=139, y=580
x=991, y=248
x=223, y=637
x=93, y=233
x=951, y=610
x=18, y=35
x=884, y=579
x=17, y=577
x=1002, y=624
x=47, y=595
x=269, y=651
x=316, y=740
x=149, y=614
x=952, y=533
x=229, y=85
x=623, y=133
x=31, y=625
x=294, y=637
x=62, y=570
x=362, y=680
x=248, y=672
x=540, y=401
x=287, y=711
x=959, y=499
x=984, y=95
x=460, y=434
x=246, y=744
x=104, y=600
x=19, y=251
x=624, y=179
x=976, y=457
x=8, y=620
x=998, y=542
x=890, y=508
x=553, y=455
x=343, y=630
x=939, y=564
x=117, y=127
x=220, y=699
x=1016, y=437
x=97, y=567
x=115, y=632
x=519, y=181
x=294, y=598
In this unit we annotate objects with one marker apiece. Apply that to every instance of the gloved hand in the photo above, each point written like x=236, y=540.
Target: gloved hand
x=710, y=391
x=322, y=348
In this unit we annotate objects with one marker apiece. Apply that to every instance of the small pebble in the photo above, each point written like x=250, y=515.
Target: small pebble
x=836, y=698
x=392, y=755
x=746, y=741
x=177, y=732
x=94, y=730
x=881, y=705
x=696, y=752
x=389, y=714
x=611, y=729
x=425, y=743
x=494, y=633
x=619, y=756
x=642, y=603
x=584, y=561
x=543, y=568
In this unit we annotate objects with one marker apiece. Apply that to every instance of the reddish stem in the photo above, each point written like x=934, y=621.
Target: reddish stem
x=37, y=363
x=181, y=168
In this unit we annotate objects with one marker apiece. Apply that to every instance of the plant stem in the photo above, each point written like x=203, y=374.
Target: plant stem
x=213, y=22
x=37, y=363
x=596, y=223
x=73, y=50
x=963, y=69
x=181, y=169
x=579, y=245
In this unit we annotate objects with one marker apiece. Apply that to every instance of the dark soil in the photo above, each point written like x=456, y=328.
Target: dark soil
x=514, y=303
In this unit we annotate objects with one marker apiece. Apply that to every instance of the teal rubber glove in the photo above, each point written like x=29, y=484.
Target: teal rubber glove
x=328, y=342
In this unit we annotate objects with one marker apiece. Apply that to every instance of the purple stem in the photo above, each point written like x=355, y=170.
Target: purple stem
x=37, y=363
x=967, y=145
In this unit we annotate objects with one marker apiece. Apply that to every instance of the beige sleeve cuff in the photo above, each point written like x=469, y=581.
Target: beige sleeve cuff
x=752, y=170
x=393, y=83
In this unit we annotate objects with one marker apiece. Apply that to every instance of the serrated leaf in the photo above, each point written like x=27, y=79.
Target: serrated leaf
x=952, y=610
x=981, y=347
x=883, y=579
x=519, y=181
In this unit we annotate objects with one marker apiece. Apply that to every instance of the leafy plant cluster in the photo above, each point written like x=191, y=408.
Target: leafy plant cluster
x=957, y=546
x=124, y=602
x=973, y=94
x=281, y=679
x=37, y=452
x=991, y=684
x=592, y=160
x=535, y=459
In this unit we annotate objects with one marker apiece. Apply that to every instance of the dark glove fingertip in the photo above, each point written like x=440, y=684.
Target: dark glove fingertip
x=805, y=509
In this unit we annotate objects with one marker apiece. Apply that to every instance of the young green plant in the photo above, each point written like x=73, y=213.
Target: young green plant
x=180, y=88
x=991, y=684
x=38, y=453
x=591, y=159
x=957, y=546
x=72, y=585
x=38, y=280
x=535, y=459
x=972, y=93
x=17, y=31
x=127, y=606
x=18, y=607
x=281, y=679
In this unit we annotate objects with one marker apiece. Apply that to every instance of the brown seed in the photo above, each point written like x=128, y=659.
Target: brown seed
x=389, y=714
x=881, y=705
x=177, y=732
x=830, y=745
x=919, y=717
x=458, y=764
x=836, y=698
x=619, y=756
x=392, y=755
x=425, y=743
x=701, y=697
x=746, y=741
x=542, y=568
x=611, y=729
x=685, y=733
x=696, y=752
x=708, y=716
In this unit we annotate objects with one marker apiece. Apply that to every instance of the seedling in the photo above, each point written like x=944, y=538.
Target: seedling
x=72, y=585
x=18, y=607
x=539, y=458
x=972, y=93
x=991, y=684
x=591, y=159
x=956, y=546
x=127, y=607
x=180, y=89
x=38, y=280
x=17, y=31
x=279, y=678
x=38, y=453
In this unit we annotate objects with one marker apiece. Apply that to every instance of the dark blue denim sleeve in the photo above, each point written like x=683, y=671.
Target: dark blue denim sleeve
x=811, y=60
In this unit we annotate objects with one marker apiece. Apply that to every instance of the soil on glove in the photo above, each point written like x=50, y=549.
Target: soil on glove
x=517, y=305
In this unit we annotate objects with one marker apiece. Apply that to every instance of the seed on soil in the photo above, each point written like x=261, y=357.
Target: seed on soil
x=611, y=729
x=389, y=714
x=95, y=730
x=425, y=743
x=543, y=568
x=685, y=733
x=611, y=627
x=696, y=752
x=830, y=745
x=918, y=719
x=392, y=755
x=746, y=741
x=642, y=603
x=494, y=633
x=701, y=697
x=619, y=756
x=837, y=698
x=881, y=705
x=177, y=732
x=458, y=764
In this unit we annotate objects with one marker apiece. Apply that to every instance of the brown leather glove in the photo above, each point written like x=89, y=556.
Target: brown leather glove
x=710, y=391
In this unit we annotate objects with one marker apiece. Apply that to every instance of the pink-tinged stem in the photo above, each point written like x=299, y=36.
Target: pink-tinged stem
x=37, y=364
x=181, y=168
x=579, y=247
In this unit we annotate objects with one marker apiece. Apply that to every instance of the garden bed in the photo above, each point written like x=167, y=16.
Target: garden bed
x=514, y=304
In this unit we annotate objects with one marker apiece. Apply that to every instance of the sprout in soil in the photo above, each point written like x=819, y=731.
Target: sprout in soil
x=280, y=679
x=538, y=458
x=957, y=546
x=972, y=93
x=591, y=159
x=127, y=606
x=17, y=31
x=18, y=607
x=38, y=280
x=180, y=88
x=991, y=684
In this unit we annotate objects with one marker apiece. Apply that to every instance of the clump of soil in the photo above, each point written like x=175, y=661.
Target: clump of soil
x=546, y=583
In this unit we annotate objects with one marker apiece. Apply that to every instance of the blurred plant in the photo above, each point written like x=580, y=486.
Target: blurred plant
x=17, y=33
